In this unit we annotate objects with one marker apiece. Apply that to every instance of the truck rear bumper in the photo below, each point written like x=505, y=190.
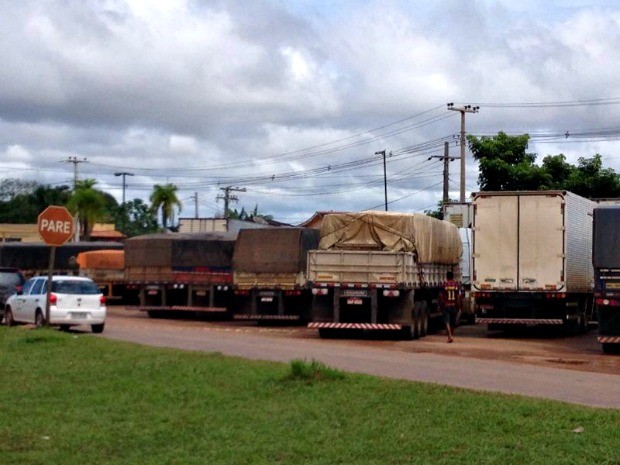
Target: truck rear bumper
x=176, y=308
x=609, y=339
x=259, y=316
x=372, y=326
x=520, y=321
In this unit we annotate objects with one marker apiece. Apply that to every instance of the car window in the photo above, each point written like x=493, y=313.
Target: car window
x=75, y=287
x=27, y=286
x=39, y=287
x=13, y=278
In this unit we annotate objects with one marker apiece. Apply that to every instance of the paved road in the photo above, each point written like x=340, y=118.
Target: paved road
x=585, y=388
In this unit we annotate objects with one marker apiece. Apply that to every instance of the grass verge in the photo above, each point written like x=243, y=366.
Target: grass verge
x=77, y=399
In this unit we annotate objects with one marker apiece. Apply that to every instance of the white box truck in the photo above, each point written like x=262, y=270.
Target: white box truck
x=532, y=259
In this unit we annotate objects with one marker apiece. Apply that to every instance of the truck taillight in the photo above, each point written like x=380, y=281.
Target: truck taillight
x=388, y=293
x=295, y=292
x=610, y=302
x=102, y=300
x=555, y=295
x=242, y=292
x=320, y=291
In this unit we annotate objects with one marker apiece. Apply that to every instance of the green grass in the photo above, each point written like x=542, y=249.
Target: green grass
x=77, y=399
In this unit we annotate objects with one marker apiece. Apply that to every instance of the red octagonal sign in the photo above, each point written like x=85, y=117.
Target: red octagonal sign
x=55, y=225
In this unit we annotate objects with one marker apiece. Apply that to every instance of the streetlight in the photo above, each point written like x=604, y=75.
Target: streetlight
x=382, y=152
x=123, y=174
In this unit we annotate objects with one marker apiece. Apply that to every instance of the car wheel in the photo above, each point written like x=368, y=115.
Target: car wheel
x=39, y=319
x=8, y=317
x=64, y=327
x=98, y=329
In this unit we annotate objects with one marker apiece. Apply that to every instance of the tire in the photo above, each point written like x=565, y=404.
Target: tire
x=64, y=327
x=98, y=329
x=8, y=317
x=39, y=319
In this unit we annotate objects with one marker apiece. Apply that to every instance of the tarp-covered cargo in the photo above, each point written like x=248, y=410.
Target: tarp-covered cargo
x=277, y=250
x=430, y=239
x=102, y=259
x=178, y=251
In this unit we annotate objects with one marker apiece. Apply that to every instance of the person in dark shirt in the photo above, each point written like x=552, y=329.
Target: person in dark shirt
x=450, y=300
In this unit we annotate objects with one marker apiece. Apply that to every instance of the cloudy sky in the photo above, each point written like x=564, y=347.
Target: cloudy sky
x=291, y=99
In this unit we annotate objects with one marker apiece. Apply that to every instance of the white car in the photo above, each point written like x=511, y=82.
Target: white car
x=73, y=301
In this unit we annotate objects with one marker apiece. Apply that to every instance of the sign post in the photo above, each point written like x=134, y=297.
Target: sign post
x=55, y=226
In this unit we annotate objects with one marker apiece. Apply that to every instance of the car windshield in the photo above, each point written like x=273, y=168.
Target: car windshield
x=75, y=287
x=11, y=278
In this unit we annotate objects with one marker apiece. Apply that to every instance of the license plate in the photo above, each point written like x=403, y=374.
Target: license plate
x=79, y=315
x=354, y=301
x=266, y=299
x=152, y=292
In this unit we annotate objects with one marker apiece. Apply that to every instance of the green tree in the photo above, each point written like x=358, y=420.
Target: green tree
x=165, y=198
x=23, y=202
x=134, y=218
x=89, y=204
x=505, y=165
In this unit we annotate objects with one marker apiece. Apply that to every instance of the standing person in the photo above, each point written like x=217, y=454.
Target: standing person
x=450, y=300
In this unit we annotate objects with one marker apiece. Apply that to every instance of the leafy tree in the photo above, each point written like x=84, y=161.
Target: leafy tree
x=12, y=187
x=243, y=215
x=165, y=198
x=89, y=204
x=134, y=218
x=25, y=202
x=505, y=165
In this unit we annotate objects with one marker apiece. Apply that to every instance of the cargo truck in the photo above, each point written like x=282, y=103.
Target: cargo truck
x=181, y=272
x=606, y=262
x=381, y=271
x=270, y=274
x=532, y=259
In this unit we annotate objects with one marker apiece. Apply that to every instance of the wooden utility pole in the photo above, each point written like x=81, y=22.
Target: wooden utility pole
x=463, y=110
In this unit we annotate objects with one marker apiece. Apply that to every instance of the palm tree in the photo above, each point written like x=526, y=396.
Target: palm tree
x=165, y=198
x=89, y=205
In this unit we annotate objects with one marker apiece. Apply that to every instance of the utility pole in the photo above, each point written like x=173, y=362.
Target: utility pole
x=123, y=174
x=382, y=152
x=76, y=161
x=446, y=172
x=228, y=197
x=195, y=199
x=463, y=110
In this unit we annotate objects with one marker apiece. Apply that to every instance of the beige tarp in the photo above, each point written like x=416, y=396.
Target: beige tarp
x=102, y=259
x=432, y=240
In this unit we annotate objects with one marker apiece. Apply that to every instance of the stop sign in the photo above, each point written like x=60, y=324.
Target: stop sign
x=55, y=225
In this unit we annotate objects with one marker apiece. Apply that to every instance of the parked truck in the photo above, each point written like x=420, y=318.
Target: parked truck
x=606, y=262
x=270, y=274
x=181, y=272
x=532, y=259
x=381, y=271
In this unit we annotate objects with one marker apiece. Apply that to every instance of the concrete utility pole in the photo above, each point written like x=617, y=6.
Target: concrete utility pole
x=75, y=162
x=382, y=152
x=195, y=199
x=463, y=110
x=123, y=174
x=446, y=172
x=227, y=197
